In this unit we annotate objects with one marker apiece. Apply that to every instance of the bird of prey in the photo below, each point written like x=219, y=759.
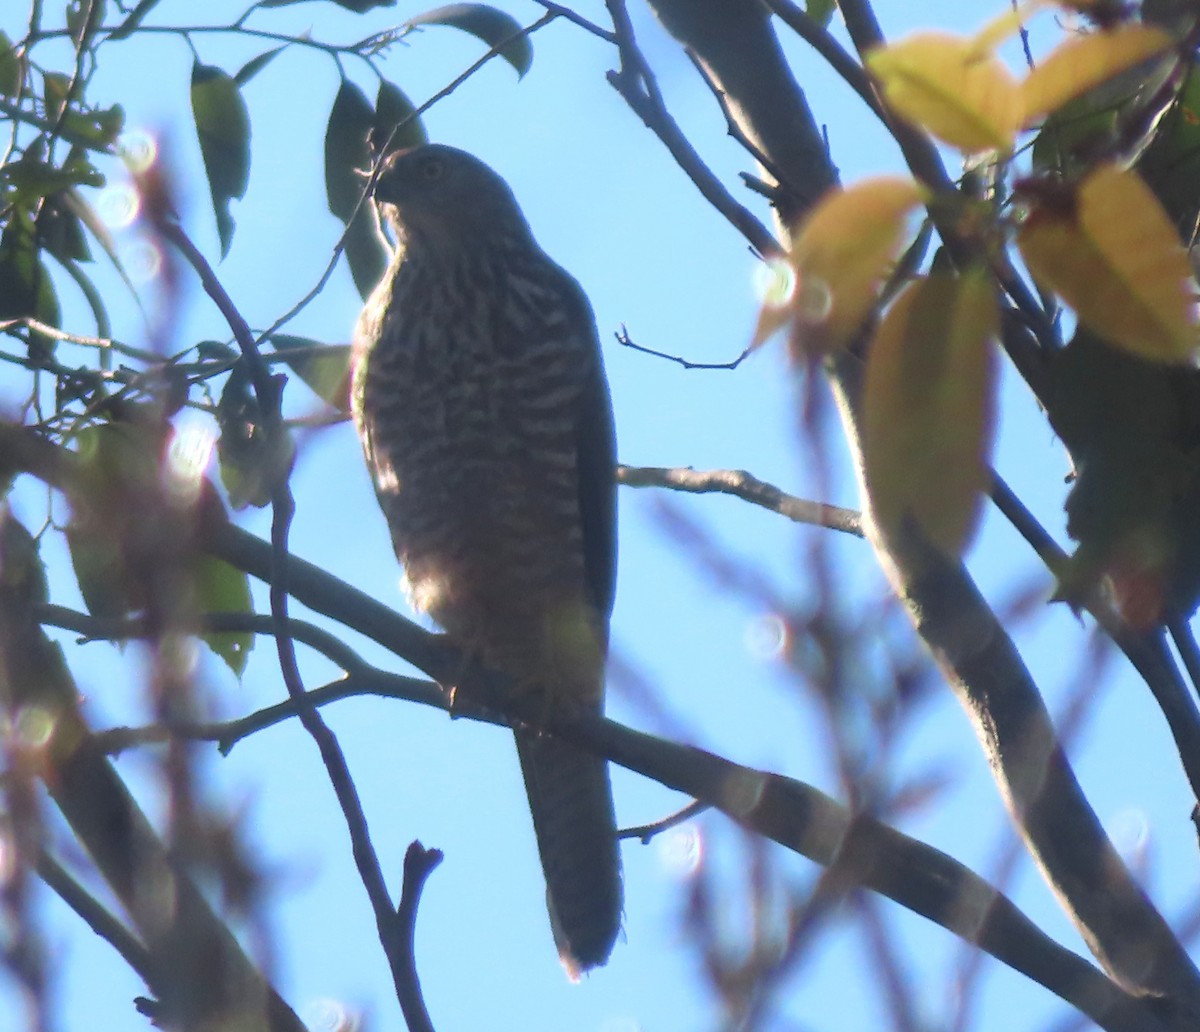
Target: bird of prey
x=480, y=399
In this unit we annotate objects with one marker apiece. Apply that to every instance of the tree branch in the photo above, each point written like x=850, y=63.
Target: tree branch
x=1120, y=924
x=419, y=864
x=795, y=815
x=196, y=967
x=740, y=484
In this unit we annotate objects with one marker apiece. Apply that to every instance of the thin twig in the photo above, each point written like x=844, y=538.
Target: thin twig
x=835, y=56
x=736, y=132
x=636, y=83
x=227, y=733
x=283, y=507
x=96, y=628
x=369, y=181
x=577, y=19
x=419, y=864
x=1147, y=651
x=797, y=816
x=102, y=343
x=740, y=484
x=623, y=338
x=645, y=832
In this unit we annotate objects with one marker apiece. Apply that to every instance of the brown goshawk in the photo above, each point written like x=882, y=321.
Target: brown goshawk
x=480, y=399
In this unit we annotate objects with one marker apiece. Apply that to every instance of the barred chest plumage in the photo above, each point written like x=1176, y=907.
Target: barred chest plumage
x=468, y=377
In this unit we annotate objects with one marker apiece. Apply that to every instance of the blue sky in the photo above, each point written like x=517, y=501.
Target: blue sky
x=606, y=201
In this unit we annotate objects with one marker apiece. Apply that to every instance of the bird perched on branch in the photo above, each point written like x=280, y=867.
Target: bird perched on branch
x=480, y=399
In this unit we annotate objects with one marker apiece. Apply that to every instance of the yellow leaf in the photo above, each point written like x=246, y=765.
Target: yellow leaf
x=775, y=284
x=951, y=88
x=846, y=248
x=1115, y=258
x=1073, y=68
x=928, y=408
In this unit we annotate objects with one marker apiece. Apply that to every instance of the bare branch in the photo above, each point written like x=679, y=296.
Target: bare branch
x=419, y=864
x=645, y=832
x=626, y=341
x=635, y=82
x=740, y=484
x=1119, y=922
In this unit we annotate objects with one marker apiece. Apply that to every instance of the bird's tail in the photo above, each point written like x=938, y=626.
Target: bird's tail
x=570, y=797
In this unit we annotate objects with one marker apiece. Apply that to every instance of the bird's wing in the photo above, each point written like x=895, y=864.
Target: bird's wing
x=596, y=449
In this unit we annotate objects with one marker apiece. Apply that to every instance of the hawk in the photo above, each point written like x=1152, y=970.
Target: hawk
x=480, y=399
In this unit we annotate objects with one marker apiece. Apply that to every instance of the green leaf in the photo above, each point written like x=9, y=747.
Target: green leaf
x=1074, y=134
x=32, y=179
x=12, y=71
x=325, y=368
x=83, y=16
x=56, y=88
x=221, y=588
x=364, y=253
x=113, y=458
x=216, y=351
x=87, y=215
x=1171, y=164
x=25, y=285
x=21, y=566
x=397, y=125
x=134, y=19
x=100, y=571
x=820, y=11
x=223, y=128
x=493, y=27
x=347, y=157
x=61, y=233
x=256, y=64
x=252, y=458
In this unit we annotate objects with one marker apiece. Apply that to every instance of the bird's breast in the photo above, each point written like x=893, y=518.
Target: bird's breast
x=471, y=437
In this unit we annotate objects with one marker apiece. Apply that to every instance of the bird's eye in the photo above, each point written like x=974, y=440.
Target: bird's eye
x=432, y=169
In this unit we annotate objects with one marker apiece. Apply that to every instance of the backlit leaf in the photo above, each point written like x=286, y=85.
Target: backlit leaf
x=397, y=124
x=928, y=408
x=256, y=64
x=951, y=88
x=221, y=588
x=325, y=368
x=347, y=160
x=223, y=129
x=1083, y=62
x=486, y=23
x=1112, y=254
x=12, y=67
x=843, y=253
x=26, y=288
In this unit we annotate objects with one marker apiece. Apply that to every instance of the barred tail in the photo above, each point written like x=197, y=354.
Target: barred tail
x=570, y=797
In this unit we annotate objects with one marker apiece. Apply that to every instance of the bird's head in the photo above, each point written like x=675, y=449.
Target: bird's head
x=445, y=195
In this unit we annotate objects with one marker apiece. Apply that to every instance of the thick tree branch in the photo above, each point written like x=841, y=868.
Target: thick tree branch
x=635, y=82
x=795, y=815
x=1120, y=924
x=805, y=820
x=196, y=967
x=97, y=917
